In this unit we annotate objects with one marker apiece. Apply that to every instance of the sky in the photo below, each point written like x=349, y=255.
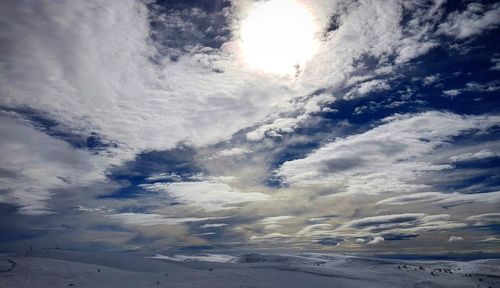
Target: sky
x=335, y=125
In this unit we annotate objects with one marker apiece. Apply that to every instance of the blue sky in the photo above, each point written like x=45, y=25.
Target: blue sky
x=151, y=125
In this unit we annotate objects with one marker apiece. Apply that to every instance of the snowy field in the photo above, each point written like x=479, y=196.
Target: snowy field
x=58, y=268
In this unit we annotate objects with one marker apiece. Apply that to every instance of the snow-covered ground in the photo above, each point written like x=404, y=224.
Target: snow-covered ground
x=58, y=268
x=221, y=258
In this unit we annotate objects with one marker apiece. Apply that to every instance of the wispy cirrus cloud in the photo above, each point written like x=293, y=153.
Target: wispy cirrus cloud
x=210, y=196
x=151, y=219
x=29, y=177
x=443, y=199
x=485, y=219
x=387, y=158
x=476, y=18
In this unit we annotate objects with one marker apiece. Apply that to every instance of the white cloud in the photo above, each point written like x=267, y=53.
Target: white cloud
x=472, y=21
x=269, y=237
x=376, y=240
x=374, y=229
x=213, y=225
x=150, y=219
x=452, y=92
x=98, y=55
x=273, y=226
x=318, y=219
x=373, y=30
x=384, y=221
x=153, y=106
x=209, y=196
x=379, y=46
x=397, y=224
x=455, y=239
x=496, y=63
x=412, y=198
x=485, y=219
x=482, y=87
x=474, y=87
x=88, y=65
x=89, y=209
x=275, y=219
x=233, y=152
x=490, y=239
x=482, y=154
x=205, y=234
x=367, y=87
x=316, y=230
x=285, y=125
x=387, y=158
x=279, y=127
x=29, y=176
x=431, y=79
x=271, y=223
x=443, y=199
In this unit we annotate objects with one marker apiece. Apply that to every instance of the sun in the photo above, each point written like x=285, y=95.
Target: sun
x=278, y=36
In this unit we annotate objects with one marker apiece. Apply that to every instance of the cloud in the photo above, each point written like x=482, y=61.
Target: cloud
x=385, y=221
x=475, y=87
x=376, y=240
x=151, y=219
x=89, y=209
x=413, y=198
x=232, y=152
x=213, y=225
x=482, y=154
x=316, y=230
x=452, y=92
x=269, y=237
x=34, y=165
x=386, y=158
x=271, y=223
x=366, y=88
x=496, y=63
x=209, y=196
x=485, y=219
x=205, y=234
x=135, y=97
x=431, y=79
x=379, y=37
x=367, y=61
x=286, y=125
x=275, y=219
x=396, y=224
x=490, y=239
x=455, y=239
x=491, y=86
x=276, y=129
x=194, y=27
x=330, y=241
x=443, y=199
x=138, y=79
x=472, y=21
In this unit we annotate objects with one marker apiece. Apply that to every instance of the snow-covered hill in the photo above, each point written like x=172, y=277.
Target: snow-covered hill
x=58, y=268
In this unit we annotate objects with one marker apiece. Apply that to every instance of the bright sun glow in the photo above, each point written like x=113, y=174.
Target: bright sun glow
x=278, y=36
